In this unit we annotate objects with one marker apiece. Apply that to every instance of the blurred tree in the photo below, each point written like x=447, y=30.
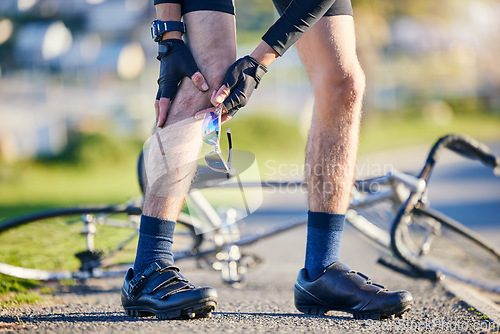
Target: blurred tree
x=253, y=18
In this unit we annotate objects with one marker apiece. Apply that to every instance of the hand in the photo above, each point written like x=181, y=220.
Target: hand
x=201, y=114
x=239, y=83
x=176, y=62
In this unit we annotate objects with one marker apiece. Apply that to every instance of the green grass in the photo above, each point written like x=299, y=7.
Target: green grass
x=267, y=137
x=20, y=298
x=387, y=131
x=14, y=291
x=10, y=284
x=93, y=169
x=51, y=243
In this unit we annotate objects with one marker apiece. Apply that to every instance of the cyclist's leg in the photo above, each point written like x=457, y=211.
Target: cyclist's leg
x=170, y=166
x=170, y=163
x=329, y=55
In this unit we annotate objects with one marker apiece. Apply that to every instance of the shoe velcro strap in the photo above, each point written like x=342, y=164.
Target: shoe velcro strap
x=148, y=275
x=164, y=280
x=141, y=278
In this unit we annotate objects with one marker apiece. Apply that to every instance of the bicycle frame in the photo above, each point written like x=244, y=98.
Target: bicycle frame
x=406, y=193
x=229, y=239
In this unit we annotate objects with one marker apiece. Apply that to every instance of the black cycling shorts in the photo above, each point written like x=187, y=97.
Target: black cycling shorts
x=339, y=7
x=226, y=6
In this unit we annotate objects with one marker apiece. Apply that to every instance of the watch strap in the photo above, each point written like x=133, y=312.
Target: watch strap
x=158, y=28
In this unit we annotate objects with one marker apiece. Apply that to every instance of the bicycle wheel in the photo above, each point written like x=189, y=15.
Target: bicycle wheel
x=428, y=240
x=141, y=172
x=374, y=220
x=78, y=242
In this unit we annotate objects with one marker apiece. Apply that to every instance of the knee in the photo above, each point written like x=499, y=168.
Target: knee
x=352, y=87
x=347, y=87
x=217, y=71
x=189, y=98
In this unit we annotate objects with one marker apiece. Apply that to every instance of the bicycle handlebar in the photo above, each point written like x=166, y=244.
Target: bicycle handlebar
x=466, y=147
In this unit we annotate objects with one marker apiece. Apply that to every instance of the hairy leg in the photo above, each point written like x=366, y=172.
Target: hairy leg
x=174, y=149
x=328, y=51
x=329, y=55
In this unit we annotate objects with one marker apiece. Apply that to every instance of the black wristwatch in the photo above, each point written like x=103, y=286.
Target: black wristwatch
x=158, y=28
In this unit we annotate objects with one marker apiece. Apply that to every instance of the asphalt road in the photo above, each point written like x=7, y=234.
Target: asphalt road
x=265, y=304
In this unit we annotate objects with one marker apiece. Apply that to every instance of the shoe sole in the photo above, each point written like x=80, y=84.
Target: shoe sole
x=399, y=312
x=201, y=309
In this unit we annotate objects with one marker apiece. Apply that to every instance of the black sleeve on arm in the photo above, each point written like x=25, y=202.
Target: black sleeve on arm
x=298, y=17
x=156, y=2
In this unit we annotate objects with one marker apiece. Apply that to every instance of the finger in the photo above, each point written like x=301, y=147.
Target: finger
x=199, y=81
x=224, y=110
x=220, y=96
x=201, y=114
x=157, y=109
x=164, y=103
x=235, y=101
x=225, y=117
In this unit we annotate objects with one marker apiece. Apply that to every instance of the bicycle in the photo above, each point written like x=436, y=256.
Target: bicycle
x=391, y=210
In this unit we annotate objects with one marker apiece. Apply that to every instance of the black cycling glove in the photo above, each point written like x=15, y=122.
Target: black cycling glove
x=242, y=78
x=176, y=62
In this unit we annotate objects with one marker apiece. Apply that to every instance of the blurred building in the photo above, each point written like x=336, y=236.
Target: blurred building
x=68, y=63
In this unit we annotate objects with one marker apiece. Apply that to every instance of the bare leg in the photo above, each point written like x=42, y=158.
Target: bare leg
x=170, y=164
x=174, y=149
x=328, y=52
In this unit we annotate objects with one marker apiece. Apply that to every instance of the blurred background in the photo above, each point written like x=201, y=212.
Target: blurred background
x=78, y=80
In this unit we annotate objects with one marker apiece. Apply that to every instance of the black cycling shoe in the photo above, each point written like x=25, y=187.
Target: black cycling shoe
x=341, y=289
x=162, y=291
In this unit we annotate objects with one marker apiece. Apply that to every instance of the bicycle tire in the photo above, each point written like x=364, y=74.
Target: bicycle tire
x=44, y=245
x=141, y=172
x=430, y=242
x=374, y=221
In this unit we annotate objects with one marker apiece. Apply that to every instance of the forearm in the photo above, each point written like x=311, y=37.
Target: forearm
x=295, y=21
x=264, y=54
x=169, y=12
